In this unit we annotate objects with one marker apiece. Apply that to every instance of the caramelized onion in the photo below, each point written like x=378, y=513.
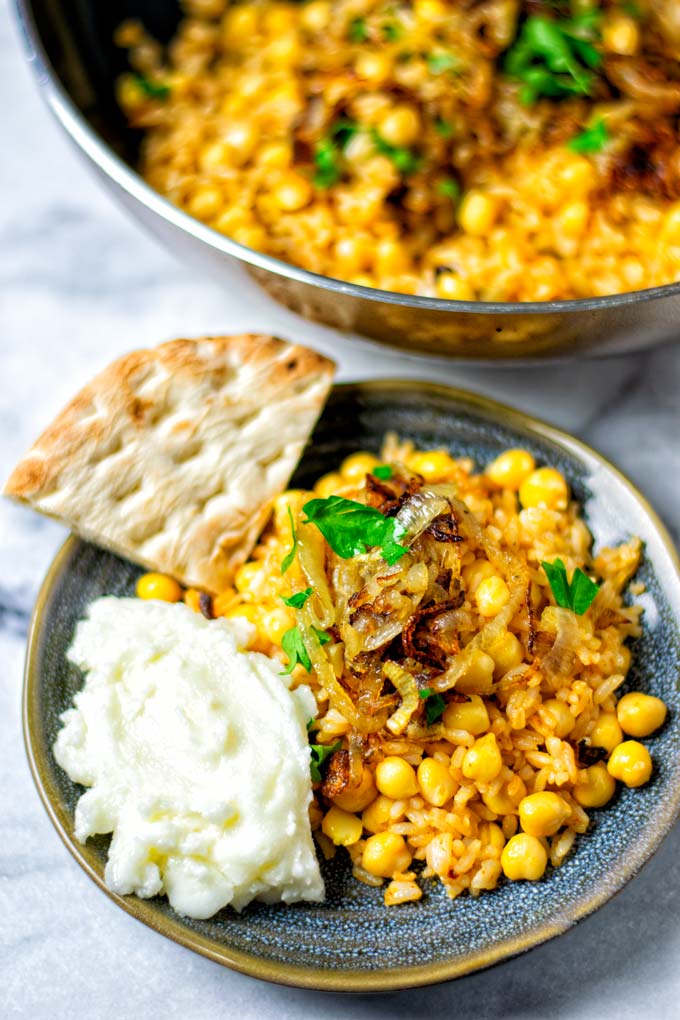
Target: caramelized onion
x=410, y=699
x=337, y=695
x=418, y=512
x=559, y=661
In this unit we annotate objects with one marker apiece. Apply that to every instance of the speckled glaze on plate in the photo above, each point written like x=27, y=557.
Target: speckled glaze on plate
x=352, y=942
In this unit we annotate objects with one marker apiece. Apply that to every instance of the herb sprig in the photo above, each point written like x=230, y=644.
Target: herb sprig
x=150, y=88
x=290, y=556
x=555, y=57
x=320, y=754
x=351, y=528
x=434, y=705
x=591, y=139
x=577, y=594
x=294, y=647
x=358, y=30
x=298, y=600
x=383, y=472
x=439, y=63
x=328, y=152
x=405, y=160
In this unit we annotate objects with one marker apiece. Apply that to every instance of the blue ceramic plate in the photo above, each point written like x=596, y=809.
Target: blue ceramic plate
x=352, y=942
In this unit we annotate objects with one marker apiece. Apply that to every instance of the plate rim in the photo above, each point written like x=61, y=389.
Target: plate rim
x=352, y=980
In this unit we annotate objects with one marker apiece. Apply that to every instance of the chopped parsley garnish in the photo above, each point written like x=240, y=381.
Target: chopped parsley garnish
x=290, y=556
x=294, y=647
x=443, y=128
x=320, y=754
x=434, y=705
x=357, y=31
x=555, y=58
x=328, y=153
x=450, y=188
x=153, y=89
x=405, y=161
x=298, y=600
x=576, y=595
x=383, y=472
x=592, y=139
x=438, y=63
x=392, y=31
x=632, y=10
x=350, y=528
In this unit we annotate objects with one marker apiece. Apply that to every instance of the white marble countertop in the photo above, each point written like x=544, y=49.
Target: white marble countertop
x=80, y=284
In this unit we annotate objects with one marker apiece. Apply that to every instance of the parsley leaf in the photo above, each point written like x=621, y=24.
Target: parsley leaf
x=328, y=153
x=592, y=139
x=555, y=58
x=392, y=31
x=350, y=528
x=405, y=161
x=290, y=556
x=577, y=595
x=152, y=89
x=383, y=472
x=294, y=647
x=434, y=705
x=438, y=63
x=449, y=188
x=443, y=128
x=320, y=753
x=298, y=600
x=357, y=31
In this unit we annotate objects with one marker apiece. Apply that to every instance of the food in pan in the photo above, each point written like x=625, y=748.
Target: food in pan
x=171, y=456
x=503, y=150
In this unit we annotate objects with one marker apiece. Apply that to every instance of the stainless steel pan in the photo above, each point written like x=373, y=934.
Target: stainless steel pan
x=70, y=45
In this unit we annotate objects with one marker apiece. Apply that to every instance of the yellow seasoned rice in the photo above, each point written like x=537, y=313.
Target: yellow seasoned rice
x=460, y=842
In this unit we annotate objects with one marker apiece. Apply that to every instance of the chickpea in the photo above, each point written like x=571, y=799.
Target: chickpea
x=596, y=787
x=385, y=854
x=606, y=732
x=542, y=814
x=640, y=714
x=435, y=782
x=396, y=778
x=158, y=586
x=511, y=468
x=471, y=715
x=482, y=761
x=341, y=827
x=631, y=763
x=524, y=857
x=544, y=487
x=361, y=796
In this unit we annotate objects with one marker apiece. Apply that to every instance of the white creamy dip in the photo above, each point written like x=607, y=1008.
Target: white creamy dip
x=197, y=757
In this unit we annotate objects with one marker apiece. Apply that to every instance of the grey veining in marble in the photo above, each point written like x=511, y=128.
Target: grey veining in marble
x=80, y=284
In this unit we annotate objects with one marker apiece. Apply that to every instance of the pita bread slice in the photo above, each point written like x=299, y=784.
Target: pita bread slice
x=171, y=456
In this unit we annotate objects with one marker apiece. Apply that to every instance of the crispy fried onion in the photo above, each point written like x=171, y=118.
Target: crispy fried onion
x=437, y=640
x=508, y=565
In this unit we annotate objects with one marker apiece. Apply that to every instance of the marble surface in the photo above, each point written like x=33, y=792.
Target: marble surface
x=79, y=283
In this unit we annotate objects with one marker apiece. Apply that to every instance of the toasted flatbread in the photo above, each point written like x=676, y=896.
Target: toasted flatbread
x=171, y=456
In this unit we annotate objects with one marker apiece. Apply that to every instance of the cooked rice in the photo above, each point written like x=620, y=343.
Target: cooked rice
x=460, y=843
